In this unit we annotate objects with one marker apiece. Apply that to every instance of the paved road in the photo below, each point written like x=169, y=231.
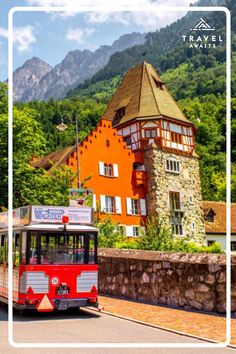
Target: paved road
x=88, y=326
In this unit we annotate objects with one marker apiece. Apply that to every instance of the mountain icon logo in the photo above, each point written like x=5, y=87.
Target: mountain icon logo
x=202, y=26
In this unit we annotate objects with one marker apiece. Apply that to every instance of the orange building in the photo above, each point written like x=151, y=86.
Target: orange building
x=118, y=184
x=141, y=158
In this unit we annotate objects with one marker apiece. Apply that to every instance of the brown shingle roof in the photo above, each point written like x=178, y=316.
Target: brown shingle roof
x=54, y=159
x=144, y=96
x=219, y=224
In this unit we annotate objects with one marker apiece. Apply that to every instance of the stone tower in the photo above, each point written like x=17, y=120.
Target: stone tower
x=163, y=140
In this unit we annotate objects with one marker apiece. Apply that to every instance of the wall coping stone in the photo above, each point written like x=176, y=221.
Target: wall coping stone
x=198, y=258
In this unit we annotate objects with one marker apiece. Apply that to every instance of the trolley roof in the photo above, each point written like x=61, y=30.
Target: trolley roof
x=42, y=214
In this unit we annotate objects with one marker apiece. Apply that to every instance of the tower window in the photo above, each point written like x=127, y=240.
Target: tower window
x=176, y=223
x=174, y=200
x=177, y=229
x=176, y=138
x=150, y=133
x=172, y=166
x=107, y=143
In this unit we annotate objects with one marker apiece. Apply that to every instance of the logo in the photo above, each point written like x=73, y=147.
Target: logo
x=47, y=214
x=202, y=26
x=54, y=281
x=202, y=39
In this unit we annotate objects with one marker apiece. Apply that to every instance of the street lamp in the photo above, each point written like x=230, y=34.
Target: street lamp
x=61, y=127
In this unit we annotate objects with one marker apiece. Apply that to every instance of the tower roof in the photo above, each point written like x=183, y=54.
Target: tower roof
x=142, y=95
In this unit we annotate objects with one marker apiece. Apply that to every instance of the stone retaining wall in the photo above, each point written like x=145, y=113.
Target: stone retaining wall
x=193, y=281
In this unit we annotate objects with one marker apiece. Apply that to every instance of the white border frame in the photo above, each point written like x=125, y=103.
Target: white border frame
x=10, y=177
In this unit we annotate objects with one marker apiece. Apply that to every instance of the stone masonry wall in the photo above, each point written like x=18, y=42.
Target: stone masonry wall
x=192, y=281
x=187, y=182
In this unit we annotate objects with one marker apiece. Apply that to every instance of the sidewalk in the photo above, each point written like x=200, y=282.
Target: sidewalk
x=207, y=326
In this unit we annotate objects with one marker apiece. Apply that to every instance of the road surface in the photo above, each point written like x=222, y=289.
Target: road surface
x=89, y=326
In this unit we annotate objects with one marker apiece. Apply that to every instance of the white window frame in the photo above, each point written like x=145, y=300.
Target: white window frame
x=94, y=202
x=135, y=206
x=169, y=166
x=110, y=209
x=101, y=168
x=104, y=166
x=118, y=205
x=108, y=170
x=115, y=170
x=141, y=207
x=122, y=229
x=131, y=230
x=136, y=228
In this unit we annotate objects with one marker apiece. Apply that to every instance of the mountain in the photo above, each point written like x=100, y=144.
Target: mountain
x=75, y=68
x=28, y=74
x=164, y=48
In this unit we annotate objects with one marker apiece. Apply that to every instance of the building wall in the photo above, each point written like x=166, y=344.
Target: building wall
x=220, y=238
x=187, y=183
x=104, y=145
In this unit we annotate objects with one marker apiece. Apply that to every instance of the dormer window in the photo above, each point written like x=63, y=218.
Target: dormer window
x=119, y=113
x=159, y=83
x=209, y=215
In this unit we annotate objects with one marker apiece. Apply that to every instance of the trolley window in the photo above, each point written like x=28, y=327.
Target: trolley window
x=2, y=248
x=62, y=248
x=16, y=249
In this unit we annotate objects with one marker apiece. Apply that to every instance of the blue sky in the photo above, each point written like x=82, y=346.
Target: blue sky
x=50, y=36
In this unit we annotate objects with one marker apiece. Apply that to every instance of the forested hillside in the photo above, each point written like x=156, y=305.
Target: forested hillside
x=195, y=77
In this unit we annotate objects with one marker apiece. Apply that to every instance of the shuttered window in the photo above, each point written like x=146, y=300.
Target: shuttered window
x=136, y=206
x=108, y=169
x=110, y=204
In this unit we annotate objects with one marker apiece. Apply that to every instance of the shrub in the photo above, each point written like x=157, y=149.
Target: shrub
x=108, y=235
x=157, y=237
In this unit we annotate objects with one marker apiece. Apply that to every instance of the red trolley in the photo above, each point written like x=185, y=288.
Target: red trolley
x=54, y=258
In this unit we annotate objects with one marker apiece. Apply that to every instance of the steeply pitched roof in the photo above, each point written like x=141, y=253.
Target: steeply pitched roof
x=54, y=159
x=219, y=224
x=143, y=95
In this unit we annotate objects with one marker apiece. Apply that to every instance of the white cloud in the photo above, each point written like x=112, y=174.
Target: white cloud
x=24, y=37
x=78, y=34
x=148, y=20
x=3, y=32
